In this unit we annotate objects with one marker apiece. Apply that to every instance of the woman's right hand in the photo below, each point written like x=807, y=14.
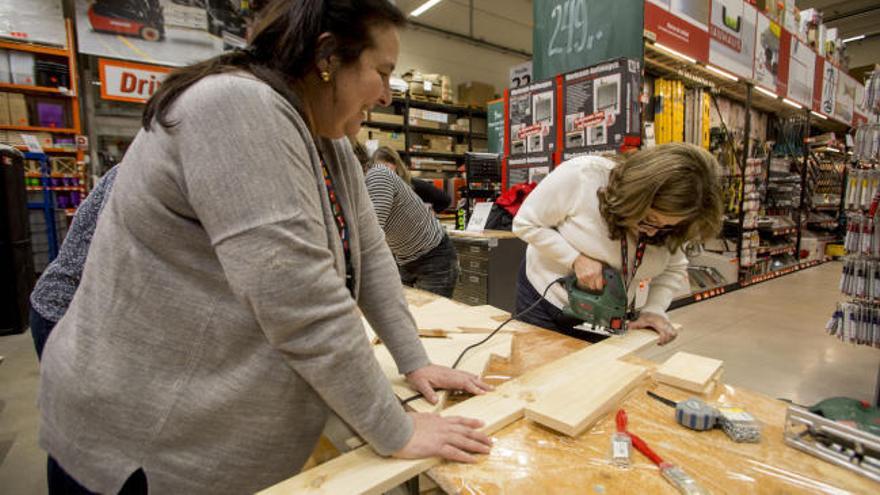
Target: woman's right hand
x=589, y=273
x=453, y=438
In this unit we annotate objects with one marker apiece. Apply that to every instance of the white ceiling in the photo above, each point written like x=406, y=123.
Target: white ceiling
x=502, y=22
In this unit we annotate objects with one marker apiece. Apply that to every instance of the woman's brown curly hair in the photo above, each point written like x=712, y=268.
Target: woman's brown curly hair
x=675, y=179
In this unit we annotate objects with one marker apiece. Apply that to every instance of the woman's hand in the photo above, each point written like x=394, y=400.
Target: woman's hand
x=658, y=324
x=453, y=438
x=426, y=379
x=589, y=273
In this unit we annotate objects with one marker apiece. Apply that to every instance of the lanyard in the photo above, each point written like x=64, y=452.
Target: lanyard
x=641, y=244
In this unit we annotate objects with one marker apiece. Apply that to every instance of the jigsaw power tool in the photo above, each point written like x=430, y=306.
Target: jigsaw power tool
x=605, y=308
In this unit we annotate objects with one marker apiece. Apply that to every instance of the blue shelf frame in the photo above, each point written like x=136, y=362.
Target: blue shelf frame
x=48, y=203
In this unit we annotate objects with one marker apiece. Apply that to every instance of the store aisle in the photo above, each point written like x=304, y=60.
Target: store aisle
x=771, y=338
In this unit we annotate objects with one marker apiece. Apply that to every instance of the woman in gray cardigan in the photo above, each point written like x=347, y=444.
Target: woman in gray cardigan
x=215, y=325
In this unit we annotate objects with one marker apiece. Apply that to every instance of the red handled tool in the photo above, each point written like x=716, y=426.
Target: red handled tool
x=673, y=474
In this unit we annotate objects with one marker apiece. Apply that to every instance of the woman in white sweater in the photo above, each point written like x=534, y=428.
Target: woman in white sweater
x=592, y=211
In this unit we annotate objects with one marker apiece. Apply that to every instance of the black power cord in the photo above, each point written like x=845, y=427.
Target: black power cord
x=560, y=280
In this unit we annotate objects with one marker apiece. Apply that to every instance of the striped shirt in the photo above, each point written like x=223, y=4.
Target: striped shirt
x=411, y=230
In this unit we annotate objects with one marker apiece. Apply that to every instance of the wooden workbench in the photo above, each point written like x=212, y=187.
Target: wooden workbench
x=528, y=459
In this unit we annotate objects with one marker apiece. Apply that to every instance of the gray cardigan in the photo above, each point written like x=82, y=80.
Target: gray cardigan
x=212, y=329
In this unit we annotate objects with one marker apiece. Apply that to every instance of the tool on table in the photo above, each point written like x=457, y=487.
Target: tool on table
x=672, y=473
x=697, y=415
x=606, y=308
x=840, y=431
x=621, y=443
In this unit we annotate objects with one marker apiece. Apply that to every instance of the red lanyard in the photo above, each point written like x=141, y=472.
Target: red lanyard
x=641, y=244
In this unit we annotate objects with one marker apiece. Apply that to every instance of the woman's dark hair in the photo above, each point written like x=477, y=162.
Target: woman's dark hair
x=283, y=47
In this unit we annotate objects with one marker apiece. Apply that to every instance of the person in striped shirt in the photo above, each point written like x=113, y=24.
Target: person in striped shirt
x=425, y=255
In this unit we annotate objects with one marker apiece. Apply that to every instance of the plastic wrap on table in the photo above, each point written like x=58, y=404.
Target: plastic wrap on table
x=528, y=458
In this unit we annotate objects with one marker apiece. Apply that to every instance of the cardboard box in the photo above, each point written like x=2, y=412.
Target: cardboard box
x=4, y=109
x=475, y=93
x=5, y=71
x=479, y=125
x=439, y=143
x=393, y=140
x=18, y=109
x=460, y=149
x=21, y=65
x=386, y=118
x=601, y=105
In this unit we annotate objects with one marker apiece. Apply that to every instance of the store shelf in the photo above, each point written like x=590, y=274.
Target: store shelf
x=385, y=126
x=27, y=128
x=56, y=188
x=783, y=271
x=776, y=251
x=442, y=107
x=432, y=154
x=25, y=88
x=695, y=75
x=51, y=151
x=703, y=295
x=30, y=47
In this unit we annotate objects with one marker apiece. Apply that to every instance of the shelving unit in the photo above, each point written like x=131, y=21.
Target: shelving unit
x=777, y=246
x=447, y=166
x=56, y=178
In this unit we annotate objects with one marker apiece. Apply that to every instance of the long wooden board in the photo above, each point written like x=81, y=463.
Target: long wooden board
x=444, y=352
x=362, y=471
x=576, y=406
x=688, y=371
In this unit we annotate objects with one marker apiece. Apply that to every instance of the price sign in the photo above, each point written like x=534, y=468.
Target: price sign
x=572, y=34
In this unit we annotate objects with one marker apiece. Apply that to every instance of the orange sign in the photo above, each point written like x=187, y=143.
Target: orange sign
x=126, y=81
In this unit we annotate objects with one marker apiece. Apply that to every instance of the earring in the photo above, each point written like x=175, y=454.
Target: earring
x=325, y=75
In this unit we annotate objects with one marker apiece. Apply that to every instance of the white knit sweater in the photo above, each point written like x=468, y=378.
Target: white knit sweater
x=560, y=219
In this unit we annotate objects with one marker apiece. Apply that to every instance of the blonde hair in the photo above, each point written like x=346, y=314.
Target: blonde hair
x=675, y=179
x=384, y=155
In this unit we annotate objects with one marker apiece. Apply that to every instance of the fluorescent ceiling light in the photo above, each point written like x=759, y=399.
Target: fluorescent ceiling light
x=835, y=150
x=675, y=53
x=854, y=38
x=765, y=92
x=791, y=103
x=817, y=114
x=722, y=73
x=425, y=6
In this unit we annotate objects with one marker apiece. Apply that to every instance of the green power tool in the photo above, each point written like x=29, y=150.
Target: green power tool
x=605, y=308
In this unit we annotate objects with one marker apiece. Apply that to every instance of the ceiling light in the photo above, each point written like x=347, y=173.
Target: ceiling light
x=791, y=103
x=425, y=6
x=817, y=114
x=722, y=73
x=833, y=150
x=675, y=53
x=766, y=92
x=854, y=38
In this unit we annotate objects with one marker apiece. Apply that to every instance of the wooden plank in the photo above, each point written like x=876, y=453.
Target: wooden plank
x=575, y=407
x=362, y=471
x=444, y=352
x=688, y=371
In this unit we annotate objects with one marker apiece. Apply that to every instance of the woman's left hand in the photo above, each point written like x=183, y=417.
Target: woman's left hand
x=426, y=379
x=658, y=324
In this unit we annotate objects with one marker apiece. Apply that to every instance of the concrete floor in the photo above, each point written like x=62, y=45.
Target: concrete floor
x=771, y=337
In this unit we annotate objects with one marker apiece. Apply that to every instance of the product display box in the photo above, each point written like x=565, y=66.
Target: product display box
x=532, y=119
x=601, y=106
x=524, y=169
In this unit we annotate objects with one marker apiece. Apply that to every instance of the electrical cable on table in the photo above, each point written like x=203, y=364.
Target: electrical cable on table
x=492, y=334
